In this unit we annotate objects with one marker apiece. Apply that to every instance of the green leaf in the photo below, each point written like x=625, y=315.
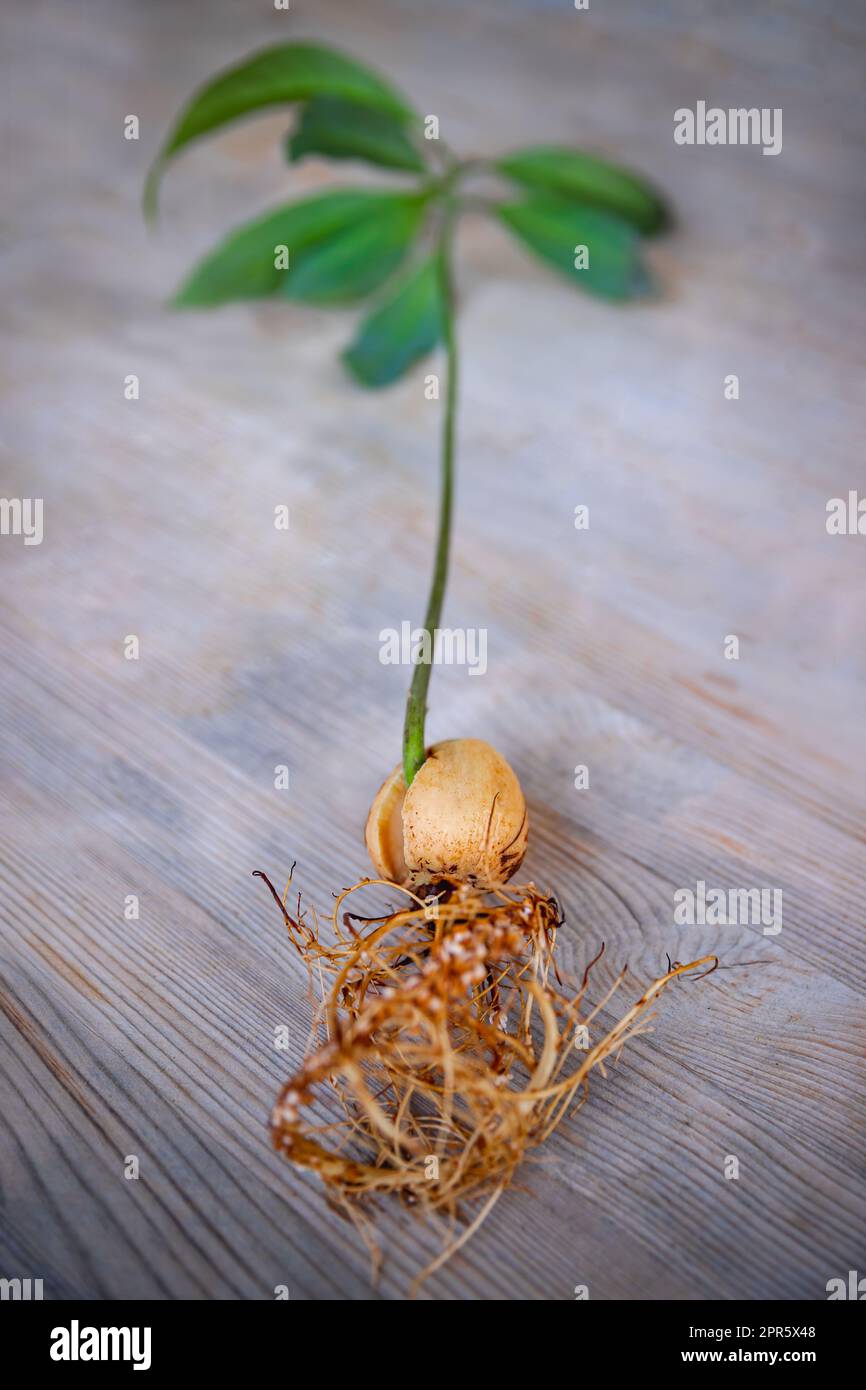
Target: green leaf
x=587, y=179
x=358, y=257
x=344, y=130
x=406, y=327
x=287, y=72
x=554, y=230
x=340, y=245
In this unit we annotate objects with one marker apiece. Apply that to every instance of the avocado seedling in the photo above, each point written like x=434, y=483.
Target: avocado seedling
x=429, y=1029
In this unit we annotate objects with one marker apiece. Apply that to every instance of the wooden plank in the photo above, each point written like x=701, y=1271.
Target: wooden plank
x=154, y=1037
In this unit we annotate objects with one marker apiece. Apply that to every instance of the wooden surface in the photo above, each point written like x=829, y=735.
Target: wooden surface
x=155, y=778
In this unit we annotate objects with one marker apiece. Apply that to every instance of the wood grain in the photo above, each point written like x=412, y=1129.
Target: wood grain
x=154, y=1037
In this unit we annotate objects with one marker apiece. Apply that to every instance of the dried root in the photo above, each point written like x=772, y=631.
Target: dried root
x=450, y=1050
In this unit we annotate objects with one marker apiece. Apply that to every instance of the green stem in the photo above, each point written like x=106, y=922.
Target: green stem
x=414, y=748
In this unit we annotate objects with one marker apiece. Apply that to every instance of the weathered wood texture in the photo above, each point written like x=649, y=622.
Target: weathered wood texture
x=155, y=1037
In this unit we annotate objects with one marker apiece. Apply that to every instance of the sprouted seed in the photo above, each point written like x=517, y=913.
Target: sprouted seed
x=452, y=1045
